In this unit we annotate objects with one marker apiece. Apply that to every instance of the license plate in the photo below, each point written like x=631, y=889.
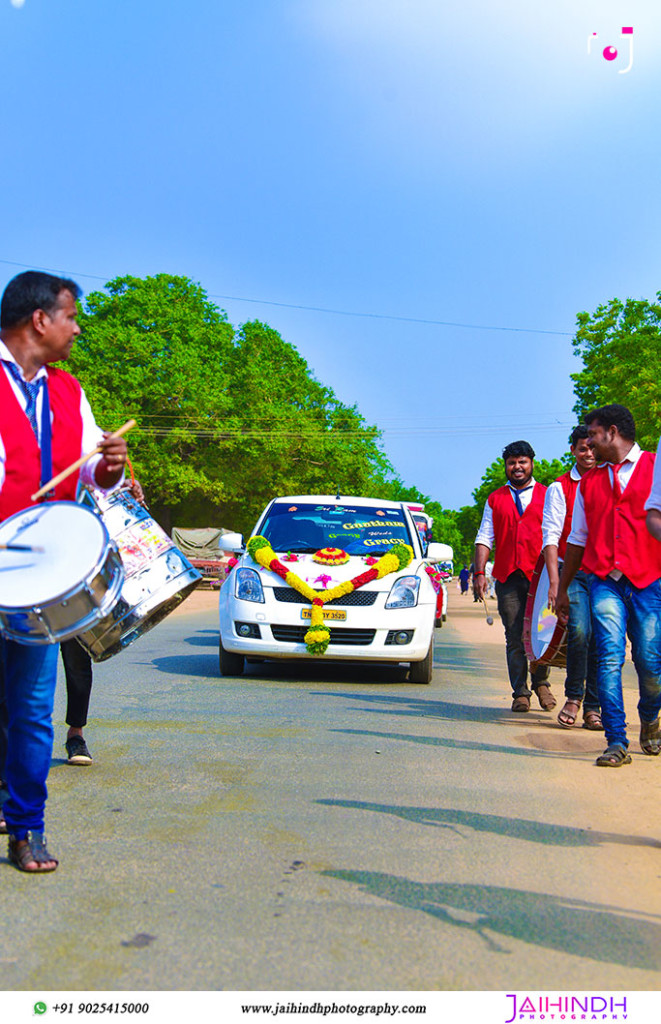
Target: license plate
x=329, y=613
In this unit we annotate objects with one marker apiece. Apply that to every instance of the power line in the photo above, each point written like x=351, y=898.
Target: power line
x=325, y=309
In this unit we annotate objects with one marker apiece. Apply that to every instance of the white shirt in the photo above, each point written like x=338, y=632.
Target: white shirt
x=486, y=534
x=654, y=500
x=555, y=511
x=92, y=434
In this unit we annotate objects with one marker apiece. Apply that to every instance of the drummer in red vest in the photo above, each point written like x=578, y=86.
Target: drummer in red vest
x=581, y=678
x=38, y=404
x=609, y=539
x=513, y=520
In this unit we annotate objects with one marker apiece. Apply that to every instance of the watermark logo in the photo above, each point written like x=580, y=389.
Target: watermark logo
x=552, y=1008
x=610, y=52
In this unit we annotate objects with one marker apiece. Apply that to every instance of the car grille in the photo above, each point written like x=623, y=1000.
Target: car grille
x=364, y=598
x=296, y=635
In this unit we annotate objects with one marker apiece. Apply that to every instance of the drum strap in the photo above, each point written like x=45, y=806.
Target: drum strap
x=46, y=443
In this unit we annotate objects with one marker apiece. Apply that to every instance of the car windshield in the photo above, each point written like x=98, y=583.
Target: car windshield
x=358, y=530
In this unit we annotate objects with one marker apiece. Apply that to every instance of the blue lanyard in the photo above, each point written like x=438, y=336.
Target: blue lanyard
x=45, y=442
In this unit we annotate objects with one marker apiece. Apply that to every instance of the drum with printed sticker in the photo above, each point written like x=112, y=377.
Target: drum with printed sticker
x=157, y=576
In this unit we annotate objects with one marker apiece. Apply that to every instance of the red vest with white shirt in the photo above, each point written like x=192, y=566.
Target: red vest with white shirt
x=617, y=536
x=22, y=453
x=518, y=538
x=569, y=489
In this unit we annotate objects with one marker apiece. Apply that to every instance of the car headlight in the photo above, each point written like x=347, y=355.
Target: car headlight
x=404, y=592
x=248, y=586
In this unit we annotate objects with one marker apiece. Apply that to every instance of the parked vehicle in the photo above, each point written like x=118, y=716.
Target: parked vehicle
x=390, y=619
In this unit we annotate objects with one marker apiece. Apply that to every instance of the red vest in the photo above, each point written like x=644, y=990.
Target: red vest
x=569, y=488
x=22, y=455
x=617, y=535
x=518, y=538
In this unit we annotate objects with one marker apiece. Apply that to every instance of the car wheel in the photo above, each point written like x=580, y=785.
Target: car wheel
x=421, y=671
x=231, y=664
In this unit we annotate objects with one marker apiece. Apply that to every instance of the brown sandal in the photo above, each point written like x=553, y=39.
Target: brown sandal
x=521, y=703
x=592, y=720
x=22, y=852
x=567, y=717
x=546, y=699
x=650, y=738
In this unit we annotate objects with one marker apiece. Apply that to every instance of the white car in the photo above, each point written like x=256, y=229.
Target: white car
x=390, y=619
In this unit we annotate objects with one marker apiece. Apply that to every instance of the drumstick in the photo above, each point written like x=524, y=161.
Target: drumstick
x=79, y=462
x=20, y=547
x=489, y=619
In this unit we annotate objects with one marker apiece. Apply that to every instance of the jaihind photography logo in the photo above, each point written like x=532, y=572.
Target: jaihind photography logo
x=589, y=1006
x=610, y=53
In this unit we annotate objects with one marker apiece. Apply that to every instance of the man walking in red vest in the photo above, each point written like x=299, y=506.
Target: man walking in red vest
x=581, y=678
x=609, y=540
x=513, y=520
x=41, y=408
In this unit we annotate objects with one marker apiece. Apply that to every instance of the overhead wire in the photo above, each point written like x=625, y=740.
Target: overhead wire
x=324, y=309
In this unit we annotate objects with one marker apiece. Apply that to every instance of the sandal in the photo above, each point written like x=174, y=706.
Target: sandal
x=567, y=717
x=521, y=703
x=546, y=699
x=650, y=738
x=592, y=720
x=613, y=757
x=22, y=852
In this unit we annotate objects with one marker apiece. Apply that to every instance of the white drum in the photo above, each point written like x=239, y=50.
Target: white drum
x=157, y=575
x=68, y=581
x=544, y=638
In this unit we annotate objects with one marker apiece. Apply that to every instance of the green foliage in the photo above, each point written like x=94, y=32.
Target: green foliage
x=620, y=345
x=226, y=420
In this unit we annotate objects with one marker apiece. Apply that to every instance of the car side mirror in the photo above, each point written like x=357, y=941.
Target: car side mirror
x=232, y=542
x=437, y=552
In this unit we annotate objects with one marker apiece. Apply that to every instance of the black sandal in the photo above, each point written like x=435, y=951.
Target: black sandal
x=613, y=757
x=22, y=852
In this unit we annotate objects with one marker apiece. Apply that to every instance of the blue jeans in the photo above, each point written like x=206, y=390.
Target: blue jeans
x=620, y=609
x=581, y=646
x=30, y=674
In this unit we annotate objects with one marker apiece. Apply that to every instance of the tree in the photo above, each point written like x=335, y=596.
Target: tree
x=226, y=420
x=620, y=345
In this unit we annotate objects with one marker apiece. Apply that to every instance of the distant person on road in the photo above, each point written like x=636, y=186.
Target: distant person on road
x=581, y=678
x=609, y=540
x=512, y=520
x=464, y=576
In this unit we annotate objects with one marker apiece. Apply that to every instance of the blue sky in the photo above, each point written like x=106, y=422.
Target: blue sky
x=394, y=157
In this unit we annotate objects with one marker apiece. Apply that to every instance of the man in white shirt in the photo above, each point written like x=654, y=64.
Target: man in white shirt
x=512, y=522
x=42, y=410
x=581, y=678
x=609, y=541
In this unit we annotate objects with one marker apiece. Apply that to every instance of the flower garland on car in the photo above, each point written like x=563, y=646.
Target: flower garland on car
x=317, y=637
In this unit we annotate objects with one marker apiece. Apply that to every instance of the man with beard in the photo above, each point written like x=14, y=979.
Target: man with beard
x=609, y=539
x=513, y=520
x=581, y=678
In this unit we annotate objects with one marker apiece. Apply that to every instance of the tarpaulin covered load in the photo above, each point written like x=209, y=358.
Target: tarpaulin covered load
x=200, y=546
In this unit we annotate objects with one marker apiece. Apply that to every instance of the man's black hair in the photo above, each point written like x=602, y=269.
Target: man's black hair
x=614, y=416
x=518, y=448
x=30, y=291
x=579, y=433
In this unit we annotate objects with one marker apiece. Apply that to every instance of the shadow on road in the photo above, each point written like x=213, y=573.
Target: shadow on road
x=417, y=707
x=591, y=930
x=444, y=741
x=514, y=828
